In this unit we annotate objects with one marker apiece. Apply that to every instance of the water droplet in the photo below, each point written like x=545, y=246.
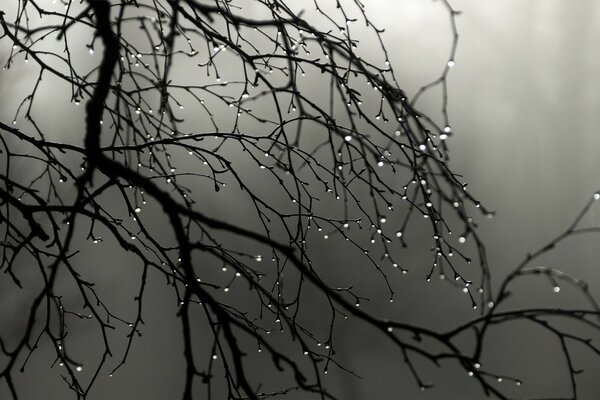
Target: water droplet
x=450, y=63
x=462, y=239
x=348, y=138
x=556, y=289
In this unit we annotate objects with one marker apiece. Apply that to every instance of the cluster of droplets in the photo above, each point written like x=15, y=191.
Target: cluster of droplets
x=476, y=371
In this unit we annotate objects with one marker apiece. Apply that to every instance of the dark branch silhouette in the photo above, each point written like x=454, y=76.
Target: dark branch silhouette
x=321, y=142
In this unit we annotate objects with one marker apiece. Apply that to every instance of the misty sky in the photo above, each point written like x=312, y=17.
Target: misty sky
x=524, y=99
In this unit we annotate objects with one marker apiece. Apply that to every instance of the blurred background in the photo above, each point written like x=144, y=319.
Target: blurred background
x=524, y=102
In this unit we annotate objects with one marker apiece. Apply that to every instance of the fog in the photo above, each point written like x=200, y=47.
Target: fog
x=524, y=96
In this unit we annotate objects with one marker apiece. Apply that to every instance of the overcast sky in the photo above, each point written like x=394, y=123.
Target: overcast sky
x=524, y=106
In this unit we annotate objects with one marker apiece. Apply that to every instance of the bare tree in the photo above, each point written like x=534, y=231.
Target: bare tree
x=320, y=142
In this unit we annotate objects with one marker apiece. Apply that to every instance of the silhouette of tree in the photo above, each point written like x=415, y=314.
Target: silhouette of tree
x=320, y=142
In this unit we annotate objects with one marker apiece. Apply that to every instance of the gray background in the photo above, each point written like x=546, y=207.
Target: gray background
x=524, y=101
